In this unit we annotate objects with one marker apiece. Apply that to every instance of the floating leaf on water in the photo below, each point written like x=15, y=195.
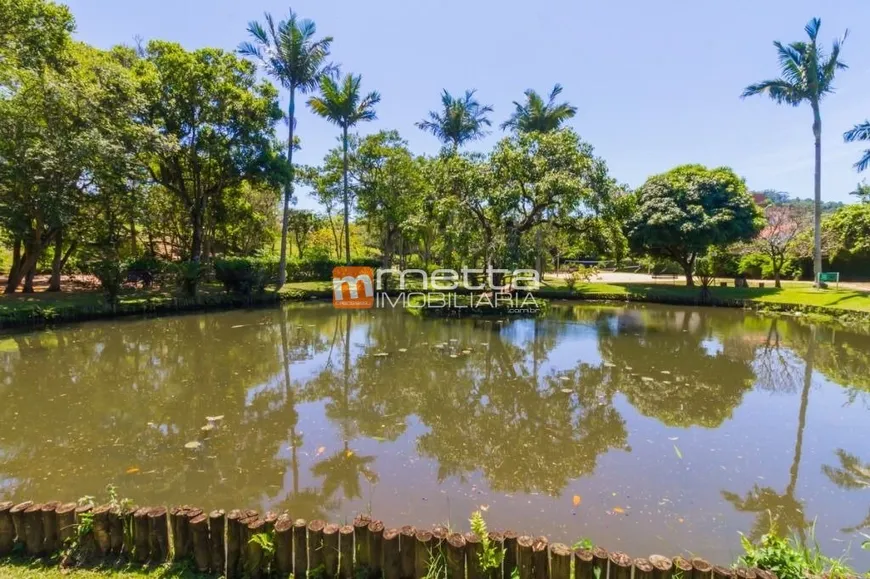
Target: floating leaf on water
x=484, y=508
x=348, y=453
x=382, y=354
x=567, y=391
x=576, y=500
x=453, y=356
x=379, y=438
x=403, y=349
x=193, y=445
x=673, y=438
x=207, y=427
x=152, y=425
x=677, y=450
x=680, y=520
x=609, y=365
x=132, y=470
x=665, y=372
x=647, y=379
x=466, y=351
x=320, y=450
x=618, y=510
x=564, y=378
x=215, y=418
x=238, y=326
x=484, y=343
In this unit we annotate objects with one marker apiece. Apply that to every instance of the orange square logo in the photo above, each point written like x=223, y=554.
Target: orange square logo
x=353, y=288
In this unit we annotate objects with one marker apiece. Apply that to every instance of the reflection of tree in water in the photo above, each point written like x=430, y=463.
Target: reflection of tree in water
x=782, y=510
x=668, y=365
x=853, y=474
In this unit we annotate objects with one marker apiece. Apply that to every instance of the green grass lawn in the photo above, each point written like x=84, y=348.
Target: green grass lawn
x=20, y=569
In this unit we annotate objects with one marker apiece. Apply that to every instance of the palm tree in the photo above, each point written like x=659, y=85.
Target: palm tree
x=460, y=120
x=807, y=76
x=340, y=103
x=290, y=54
x=860, y=133
x=540, y=116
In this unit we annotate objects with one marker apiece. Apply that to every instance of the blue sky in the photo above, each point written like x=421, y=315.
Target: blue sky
x=657, y=84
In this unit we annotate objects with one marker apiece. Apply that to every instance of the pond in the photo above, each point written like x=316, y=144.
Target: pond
x=646, y=429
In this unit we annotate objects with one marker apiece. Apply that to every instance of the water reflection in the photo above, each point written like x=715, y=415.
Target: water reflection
x=329, y=412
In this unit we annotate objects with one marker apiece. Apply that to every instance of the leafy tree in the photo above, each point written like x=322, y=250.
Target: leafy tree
x=460, y=120
x=849, y=228
x=536, y=115
x=780, y=238
x=860, y=132
x=302, y=224
x=807, y=77
x=216, y=121
x=862, y=192
x=341, y=103
x=291, y=55
x=33, y=33
x=682, y=213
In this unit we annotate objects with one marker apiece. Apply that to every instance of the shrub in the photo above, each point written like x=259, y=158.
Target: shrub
x=110, y=275
x=753, y=265
x=244, y=276
x=724, y=263
x=321, y=269
x=188, y=274
x=145, y=269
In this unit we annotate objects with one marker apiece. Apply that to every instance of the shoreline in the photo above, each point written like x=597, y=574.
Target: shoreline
x=58, y=312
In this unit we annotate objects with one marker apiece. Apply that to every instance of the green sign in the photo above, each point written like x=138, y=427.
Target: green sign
x=831, y=276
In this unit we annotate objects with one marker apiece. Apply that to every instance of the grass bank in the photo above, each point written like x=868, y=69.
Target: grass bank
x=23, y=569
x=39, y=309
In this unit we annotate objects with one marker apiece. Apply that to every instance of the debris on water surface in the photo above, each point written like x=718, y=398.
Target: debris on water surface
x=403, y=349
x=576, y=500
x=214, y=418
x=567, y=391
x=677, y=450
x=382, y=354
x=647, y=379
x=193, y=445
x=564, y=378
x=208, y=427
x=320, y=450
x=132, y=470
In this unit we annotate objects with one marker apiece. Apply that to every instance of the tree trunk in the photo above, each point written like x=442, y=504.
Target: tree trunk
x=56, y=264
x=16, y=265
x=817, y=210
x=196, y=217
x=288, y=192
x=134, y=245
x=688, y=266
x=346, y=204
x=539, y=254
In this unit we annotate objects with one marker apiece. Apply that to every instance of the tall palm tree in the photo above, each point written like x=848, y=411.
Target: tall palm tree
x=807, y=76
x=340, y=103
x=289, y=53
x=460, y=120
x=536, y=115
x=860, y=133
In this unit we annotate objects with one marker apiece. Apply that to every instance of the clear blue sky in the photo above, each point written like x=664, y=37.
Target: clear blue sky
x=657, y=83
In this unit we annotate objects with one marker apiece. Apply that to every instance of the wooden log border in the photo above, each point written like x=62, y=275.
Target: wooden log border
x=223, y=544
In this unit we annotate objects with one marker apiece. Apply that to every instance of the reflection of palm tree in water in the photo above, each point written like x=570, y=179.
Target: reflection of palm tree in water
x=784, y=510
x=852, y=475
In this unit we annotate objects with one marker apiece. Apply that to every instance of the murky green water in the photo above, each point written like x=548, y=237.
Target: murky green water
x=646, y=429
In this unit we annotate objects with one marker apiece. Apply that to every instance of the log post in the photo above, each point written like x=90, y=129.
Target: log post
x=601, y=561
x=473, y=550
x=7, y=529
x=158, y=528
x=361, y=540
x=345, y=551
x=284, y=545
x=234, y=542
x=17, y=514
x=541, y=558
x=190, y=513
x=116, y=530
x=269, y=518
x=141, y=542
x=34, y=535
x=127, y=516
x=84, y=533
x=198, y=527
x=300, y=549
x=408, y=551
x=455, y=556
x=376, y=547
x=315, y=546
x=66, y=523
x=423, y=553
x=101, y=530
x=392, y=563
x=49, y=527
x=583, y=565
x=245, y=538
x=643, y=569
x=745, y=573
x=700, y=568
x=178, y=524
x=330, y=550
x=525, y=565
x=255, y=561
x=510, y=554
x=439, y=538
x=496, y=539
x=683, y=567
x=663, y=567
x=560, y=561
x=620, y=566
x=720, y=572
x=217, y=549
